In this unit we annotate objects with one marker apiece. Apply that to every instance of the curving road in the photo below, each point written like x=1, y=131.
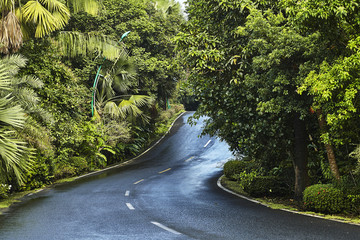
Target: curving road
x=168, y=193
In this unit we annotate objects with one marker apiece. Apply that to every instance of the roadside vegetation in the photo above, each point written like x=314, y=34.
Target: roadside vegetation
x=55, y=123
x=279, y=82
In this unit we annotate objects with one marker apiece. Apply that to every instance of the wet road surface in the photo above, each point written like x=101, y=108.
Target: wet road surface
x=168, y=193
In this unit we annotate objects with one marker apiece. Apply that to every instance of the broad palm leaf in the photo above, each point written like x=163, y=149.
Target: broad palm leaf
x=45, y=15
x=89, y=6
x=76, y=43
x=22, y=89
x=128, y=107
x=15, y=157
x=40, y=17
x=111, y=100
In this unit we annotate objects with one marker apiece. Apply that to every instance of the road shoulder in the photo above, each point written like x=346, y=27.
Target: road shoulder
x=264, y=202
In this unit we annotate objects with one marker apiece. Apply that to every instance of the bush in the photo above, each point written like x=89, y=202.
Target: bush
x=354, y=204
x=4, y=190
x=79, y=163
x=269, y=186
x=234, y=167
x=177, y=107
x=39, y=175
x=350, y=187
x=324, y=198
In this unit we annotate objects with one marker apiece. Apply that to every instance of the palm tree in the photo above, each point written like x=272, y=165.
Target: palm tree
x=112, y=98
x=35, y=18
x=15, y=157
x=23, y=94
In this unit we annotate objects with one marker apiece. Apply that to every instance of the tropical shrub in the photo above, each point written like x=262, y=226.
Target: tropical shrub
x=4, y=190
x=40, y=174
x=324, y=198
x=354, y=203
x=234, y=167
x=260, y=186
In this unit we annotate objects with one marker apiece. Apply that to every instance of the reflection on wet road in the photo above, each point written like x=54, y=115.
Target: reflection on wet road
x=168, y=193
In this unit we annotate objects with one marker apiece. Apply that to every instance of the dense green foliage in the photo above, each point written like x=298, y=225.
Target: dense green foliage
x=279, y=82
x=233, y=167
x=324, y=198
x=46, y=123
x=268, y=186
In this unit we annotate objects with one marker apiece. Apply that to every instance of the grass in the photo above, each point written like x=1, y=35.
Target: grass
x=287, y=204
x=13, y=198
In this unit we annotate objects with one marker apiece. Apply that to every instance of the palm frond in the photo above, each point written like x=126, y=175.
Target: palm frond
x=5, y=79
x=123, y=73
x=129, y=108
x=132, y=111
x=13, y=116
x=90, y=6
x=26, y=97
x=141, y=100
x=75, y=43
x=11, y=64
x=14, y=156
x=107, y=86
x=113, y=110
x=36, y=13
x=26, y=27
x=6, y=5
x=29, y=80
x=59, y=11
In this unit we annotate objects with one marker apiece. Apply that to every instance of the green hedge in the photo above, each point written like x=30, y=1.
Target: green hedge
x=261, y=186
x=325, y=198
x=233, y=167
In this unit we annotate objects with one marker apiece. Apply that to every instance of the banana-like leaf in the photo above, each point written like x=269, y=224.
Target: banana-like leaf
x=76, y=43
x=90, y=6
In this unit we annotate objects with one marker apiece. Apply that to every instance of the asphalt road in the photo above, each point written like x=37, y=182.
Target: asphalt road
x=169, y=193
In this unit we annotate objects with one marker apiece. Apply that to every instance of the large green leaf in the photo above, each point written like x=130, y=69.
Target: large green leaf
x=47, y=15
x=76, y=43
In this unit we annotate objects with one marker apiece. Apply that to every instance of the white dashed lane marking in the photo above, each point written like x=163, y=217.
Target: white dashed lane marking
x=207, y=144
x=166, y=228
x=130, y=206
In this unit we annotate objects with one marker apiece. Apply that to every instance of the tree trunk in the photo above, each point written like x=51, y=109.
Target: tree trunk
x=329, y=148
x=300, y=158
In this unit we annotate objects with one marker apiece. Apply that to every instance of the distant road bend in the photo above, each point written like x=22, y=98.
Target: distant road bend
x=168, y=193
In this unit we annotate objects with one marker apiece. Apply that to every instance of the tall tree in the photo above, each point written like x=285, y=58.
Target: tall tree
x=246, y=68
x=333, y=80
